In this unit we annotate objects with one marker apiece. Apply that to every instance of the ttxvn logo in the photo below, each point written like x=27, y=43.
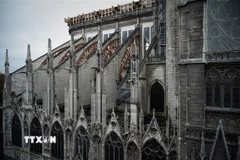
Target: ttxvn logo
x=40, y=139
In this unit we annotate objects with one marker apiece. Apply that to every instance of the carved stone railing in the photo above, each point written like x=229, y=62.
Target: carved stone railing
x=109, y=12
x=224, y=55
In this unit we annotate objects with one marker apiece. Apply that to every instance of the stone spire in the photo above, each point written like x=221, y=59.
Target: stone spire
x=50, y=57
x=28, y=52
x=28, y=60
x=29, y=78
x=6, y=60
x=51, y=81
x=49, y=46
x=7, y=82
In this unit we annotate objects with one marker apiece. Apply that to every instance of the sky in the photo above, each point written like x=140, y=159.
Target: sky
x=24, y=22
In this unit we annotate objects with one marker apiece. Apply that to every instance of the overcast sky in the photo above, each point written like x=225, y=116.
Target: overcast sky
x=32, y=22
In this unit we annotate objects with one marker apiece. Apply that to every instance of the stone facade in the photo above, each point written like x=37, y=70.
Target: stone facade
x=139, y=83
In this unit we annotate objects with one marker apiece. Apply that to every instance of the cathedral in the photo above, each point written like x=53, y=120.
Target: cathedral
x=147, y=80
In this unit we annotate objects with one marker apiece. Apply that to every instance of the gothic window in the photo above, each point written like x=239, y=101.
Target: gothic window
x=36, y=130
x=124, y=36
x=223, y=88
x=162, y=14
x=82, y=143
x=113, y=147
x=16, y=132
x=132, y=151
x=223, y=25
x=153, y=151
x=57, y=148
x=157, y=97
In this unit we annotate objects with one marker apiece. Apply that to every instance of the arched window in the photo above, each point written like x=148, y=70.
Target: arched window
x=16, y=132
x=157, y=97
x=132, y=151
x=113, y=147
x=223, y=88
x=36, y=130
x=82, y=143
x=153, y=151
x=57, y=148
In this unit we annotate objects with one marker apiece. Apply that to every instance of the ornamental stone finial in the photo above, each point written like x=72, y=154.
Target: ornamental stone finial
x=154, y=112
x=6, y=60
x=28, y=52
x=49, y=46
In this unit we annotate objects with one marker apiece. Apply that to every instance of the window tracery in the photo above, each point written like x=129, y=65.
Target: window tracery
x=113, y=147
x=223, y=87
x=153, y=151
x=82, y=143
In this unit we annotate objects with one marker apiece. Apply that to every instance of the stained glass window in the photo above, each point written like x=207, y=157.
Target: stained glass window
x=223, y=88
x=57, y=148
x=113, y=147
x=36, y=130
x=223, y=25
x=16, y=132
x=152, y=150
x=82, y=143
